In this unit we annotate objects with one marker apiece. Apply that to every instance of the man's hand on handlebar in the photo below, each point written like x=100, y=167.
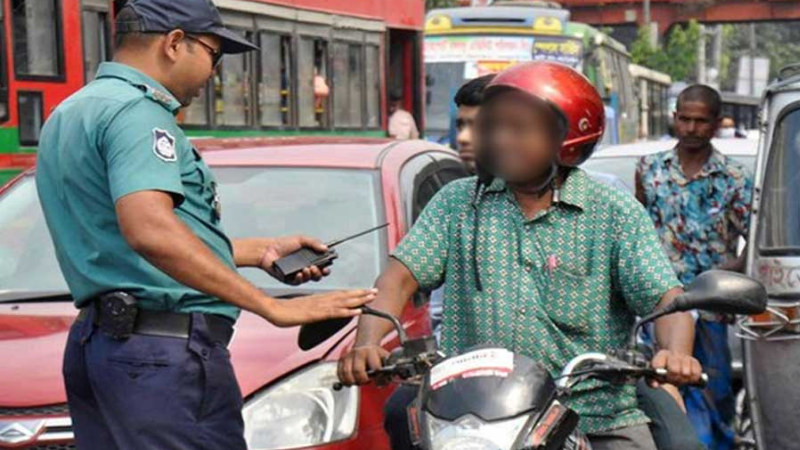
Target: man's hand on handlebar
x=353, y=367
x=681, y=369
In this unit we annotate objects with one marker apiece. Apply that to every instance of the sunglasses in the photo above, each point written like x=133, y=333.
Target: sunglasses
x=216, y=55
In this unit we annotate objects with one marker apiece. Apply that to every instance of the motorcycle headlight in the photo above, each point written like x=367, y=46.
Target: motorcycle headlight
x=471, y=433
x=301, y=411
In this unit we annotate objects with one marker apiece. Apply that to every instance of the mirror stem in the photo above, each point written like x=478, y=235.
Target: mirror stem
x=669, y=309
x=401, y=332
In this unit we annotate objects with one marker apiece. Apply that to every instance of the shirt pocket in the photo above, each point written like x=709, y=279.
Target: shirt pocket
x=568, y=299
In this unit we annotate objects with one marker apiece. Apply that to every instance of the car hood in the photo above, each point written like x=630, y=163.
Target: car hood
x=33, y=336
x=263, y=353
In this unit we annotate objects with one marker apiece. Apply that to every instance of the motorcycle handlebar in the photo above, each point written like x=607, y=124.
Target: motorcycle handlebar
x=701, y=383
x=601, y=363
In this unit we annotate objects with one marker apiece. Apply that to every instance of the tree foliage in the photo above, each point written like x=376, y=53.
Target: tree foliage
x=678, y=57
x=433, y=4
x=780, y=42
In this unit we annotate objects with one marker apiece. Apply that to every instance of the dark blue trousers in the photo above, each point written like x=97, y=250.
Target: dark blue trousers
x=152, y=393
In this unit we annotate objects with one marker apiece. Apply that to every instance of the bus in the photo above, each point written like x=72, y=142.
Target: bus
x=652, y=91
x=324, y=67
x=463, y=43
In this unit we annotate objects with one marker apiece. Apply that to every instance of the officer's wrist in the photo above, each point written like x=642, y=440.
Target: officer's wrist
x=251, y=252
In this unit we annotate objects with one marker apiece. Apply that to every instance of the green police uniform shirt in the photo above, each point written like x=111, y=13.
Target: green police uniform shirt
x=569, y=281
x=116, y=136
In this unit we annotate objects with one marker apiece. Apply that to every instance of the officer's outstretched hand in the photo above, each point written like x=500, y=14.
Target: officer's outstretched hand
x=315, y=308
x=283, y=246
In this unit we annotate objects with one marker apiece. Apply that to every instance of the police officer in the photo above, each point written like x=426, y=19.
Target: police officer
x=134, y=215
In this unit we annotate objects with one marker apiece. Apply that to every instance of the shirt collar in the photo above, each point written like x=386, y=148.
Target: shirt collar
x=152, y=88
x=573, y=192
x=715, y=163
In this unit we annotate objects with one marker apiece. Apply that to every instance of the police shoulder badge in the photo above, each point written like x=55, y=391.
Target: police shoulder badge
x=164, y=145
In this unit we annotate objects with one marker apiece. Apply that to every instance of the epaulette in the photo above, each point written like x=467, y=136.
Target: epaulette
x=162, y=98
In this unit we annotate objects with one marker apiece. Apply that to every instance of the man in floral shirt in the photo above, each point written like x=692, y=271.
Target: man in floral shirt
x=699, y=200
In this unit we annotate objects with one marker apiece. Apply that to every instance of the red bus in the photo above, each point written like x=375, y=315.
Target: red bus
x=324, y=67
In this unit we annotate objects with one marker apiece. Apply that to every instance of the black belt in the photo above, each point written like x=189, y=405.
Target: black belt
x=170, y=324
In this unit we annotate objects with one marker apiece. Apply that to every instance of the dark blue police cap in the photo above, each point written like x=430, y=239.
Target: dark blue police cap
x=191, y=16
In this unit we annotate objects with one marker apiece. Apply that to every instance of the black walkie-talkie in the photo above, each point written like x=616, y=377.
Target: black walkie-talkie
x=287, y=268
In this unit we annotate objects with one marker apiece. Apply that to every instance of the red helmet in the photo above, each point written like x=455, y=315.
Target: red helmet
x=570, y=94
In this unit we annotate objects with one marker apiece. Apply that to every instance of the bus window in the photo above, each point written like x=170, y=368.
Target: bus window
x=373, y=74
x=96, y=41
x=31, y=117
x=626, y=85
x=313, y=84
x=347, y=68
x=3, y=71
x=443, y=80
x=37, y=41
x=321, y=88
x=611, y=79
x=274, y=86
x=232, y=91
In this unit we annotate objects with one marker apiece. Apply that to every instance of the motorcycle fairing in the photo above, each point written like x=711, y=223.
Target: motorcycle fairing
x=528, y=388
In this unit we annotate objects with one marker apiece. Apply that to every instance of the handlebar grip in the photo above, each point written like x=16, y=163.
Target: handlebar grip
x=701, y=383
x=338, y=386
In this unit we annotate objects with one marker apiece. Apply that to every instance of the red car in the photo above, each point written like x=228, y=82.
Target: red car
x=324, y=187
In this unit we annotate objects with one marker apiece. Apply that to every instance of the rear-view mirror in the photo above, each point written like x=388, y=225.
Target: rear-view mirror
x=313, y=334
x=724, y=293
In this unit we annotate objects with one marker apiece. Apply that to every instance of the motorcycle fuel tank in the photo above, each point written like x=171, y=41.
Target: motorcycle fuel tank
x=490, y=383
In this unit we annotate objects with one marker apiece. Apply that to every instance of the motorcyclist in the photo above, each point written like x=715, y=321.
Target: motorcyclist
x=536, y=256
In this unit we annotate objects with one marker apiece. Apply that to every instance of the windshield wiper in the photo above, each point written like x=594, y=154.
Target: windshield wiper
x=10, y=296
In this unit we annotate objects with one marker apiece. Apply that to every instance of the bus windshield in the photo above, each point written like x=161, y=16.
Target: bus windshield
x=450, y=60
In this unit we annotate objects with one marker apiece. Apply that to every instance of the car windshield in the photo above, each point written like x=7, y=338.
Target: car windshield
x=778, y=233
x=257, y=202
x=624, y=167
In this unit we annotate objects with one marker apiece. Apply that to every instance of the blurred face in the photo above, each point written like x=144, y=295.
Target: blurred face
x=394, y=105
x=519, y=137
x=727, y=122
x=193, y=65
x=695, y=125
x=466, y=140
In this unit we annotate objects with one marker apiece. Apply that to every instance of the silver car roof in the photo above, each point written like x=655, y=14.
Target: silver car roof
x=730, y=146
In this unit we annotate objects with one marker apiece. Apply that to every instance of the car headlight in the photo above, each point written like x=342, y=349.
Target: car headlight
x=301, y=411
x=471, y=433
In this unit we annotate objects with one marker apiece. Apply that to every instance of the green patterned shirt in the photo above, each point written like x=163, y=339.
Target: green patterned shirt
x=569, y=281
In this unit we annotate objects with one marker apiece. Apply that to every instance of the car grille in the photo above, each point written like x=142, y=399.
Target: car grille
x=52, y=410
x=54, y=447
x=53, y=421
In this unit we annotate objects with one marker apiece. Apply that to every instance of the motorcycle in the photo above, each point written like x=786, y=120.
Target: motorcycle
x=490, y=398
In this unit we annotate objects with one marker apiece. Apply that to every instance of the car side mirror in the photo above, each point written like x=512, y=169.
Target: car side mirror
x=724, y=293
x=313, y=334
